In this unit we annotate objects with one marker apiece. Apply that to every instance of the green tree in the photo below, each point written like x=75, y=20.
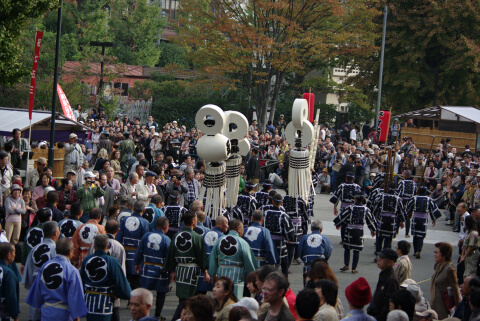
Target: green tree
x=259, y=43
x=425, y=37
x=13, y=16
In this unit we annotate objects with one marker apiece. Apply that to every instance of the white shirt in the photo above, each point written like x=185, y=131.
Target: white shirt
x=462, y=225
x=353, y=134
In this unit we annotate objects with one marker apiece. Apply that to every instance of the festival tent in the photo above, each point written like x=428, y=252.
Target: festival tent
x=11, y=118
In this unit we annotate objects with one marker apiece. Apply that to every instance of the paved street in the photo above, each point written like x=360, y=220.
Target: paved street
x=422, y=269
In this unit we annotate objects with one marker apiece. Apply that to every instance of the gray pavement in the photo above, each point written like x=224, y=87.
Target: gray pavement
x=323, y=210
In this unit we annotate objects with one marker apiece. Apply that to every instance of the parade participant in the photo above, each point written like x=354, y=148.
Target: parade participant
x=391, y=214
x=374, y=195
x=403, y=266
x=128, y=190
x=210, y=238
x=140, y=304
x=117, y=251
x=280, y=226
x=247, y=202
x=354, y=218
x=52, y=201
x=34, y=234
x=358, y=294
x=39, y=255
x=314, y=246
x=197, y=205
x=57, y=289
x=260, y=240
x=88, y=193
x=132, y=229
x=103, y=281
x=127, y=149
x=406, y=189
x=262, y=196
x=73, y=158
x=232, y=256
x=200, y=229
x=174, y=212
x=346, y=194
x=386, y=286
x=274, y=289
x=85, y=234
x=297, y=210
x=422, y=206
x=9, y=278
x=156, y=203
x=150, y=262
x=186, y=259
x=126, y=211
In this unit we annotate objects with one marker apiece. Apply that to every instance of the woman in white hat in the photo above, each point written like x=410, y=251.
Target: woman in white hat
x=14, y=208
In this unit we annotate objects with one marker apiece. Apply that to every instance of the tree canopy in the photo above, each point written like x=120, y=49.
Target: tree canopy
x=259, y=43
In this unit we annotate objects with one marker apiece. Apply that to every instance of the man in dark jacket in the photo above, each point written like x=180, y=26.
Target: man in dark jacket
x=253, y=168
x=348, y=167
x=386, y=286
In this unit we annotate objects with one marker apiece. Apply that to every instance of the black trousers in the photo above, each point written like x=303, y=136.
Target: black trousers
x=134, y=281
x=115, y=314
x=408, y=222
x=385, y=241
x=346, y=258
x=417, y=244
x=159, y=302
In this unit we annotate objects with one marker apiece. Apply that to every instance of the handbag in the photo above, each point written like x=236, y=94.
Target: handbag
x=448, y=300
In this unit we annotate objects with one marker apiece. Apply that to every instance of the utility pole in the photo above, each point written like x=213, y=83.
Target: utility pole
x=103, y=45
x=382, y=58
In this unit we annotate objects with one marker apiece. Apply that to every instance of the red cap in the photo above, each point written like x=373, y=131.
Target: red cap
x=358, y=293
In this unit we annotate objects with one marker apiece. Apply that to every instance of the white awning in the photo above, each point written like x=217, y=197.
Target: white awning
x=460, y=113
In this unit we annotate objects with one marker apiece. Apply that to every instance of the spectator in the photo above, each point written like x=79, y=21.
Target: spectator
x=307, y=304
x=274, y=289
x=358, y=294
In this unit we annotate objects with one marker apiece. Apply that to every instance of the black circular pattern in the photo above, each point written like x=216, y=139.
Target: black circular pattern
x=149, y=214
x=183, y=242
x=40, y=255
x=68, y=228
x=52, y=275
x=34, y=237
x=96, y=269
x=229, y=246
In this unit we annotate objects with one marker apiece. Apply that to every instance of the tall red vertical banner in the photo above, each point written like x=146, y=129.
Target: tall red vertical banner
x=383, y=126
x=311, y=105
x=38, y=43
x=67, y=109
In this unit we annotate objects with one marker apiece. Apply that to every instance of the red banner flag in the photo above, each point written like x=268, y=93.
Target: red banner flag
x=383, y=126
x=311, y=105
x=38, y=43
x=67, y=109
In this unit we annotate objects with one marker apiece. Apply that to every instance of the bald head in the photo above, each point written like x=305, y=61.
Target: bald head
x=197, y=205
x=222, y=223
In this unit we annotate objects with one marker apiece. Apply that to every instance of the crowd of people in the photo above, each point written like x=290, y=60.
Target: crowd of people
x=126, y=221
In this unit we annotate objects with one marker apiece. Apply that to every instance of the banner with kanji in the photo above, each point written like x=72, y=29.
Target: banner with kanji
x=383, y=126
x=38, y=43
x=67, y=109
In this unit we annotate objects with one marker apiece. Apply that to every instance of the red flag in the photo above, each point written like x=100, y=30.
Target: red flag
x=38, y=42
x=383, y=126
x=67, y=109
x=311, y=105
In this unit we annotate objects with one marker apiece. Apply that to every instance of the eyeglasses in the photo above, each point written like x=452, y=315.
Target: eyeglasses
x=265, y=290
x=436, y=252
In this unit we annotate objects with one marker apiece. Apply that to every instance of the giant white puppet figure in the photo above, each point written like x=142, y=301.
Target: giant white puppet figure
x=299, y=133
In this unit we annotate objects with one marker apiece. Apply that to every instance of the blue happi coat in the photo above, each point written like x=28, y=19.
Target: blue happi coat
x=313, y=246
x=261, y=243
x=152, y=217
x=68, y=227
x=232, y=256
x=151, y=255
x=103, y=281
x=9, y=290
x=130, y=234
x=209, y=238
x=58, y=291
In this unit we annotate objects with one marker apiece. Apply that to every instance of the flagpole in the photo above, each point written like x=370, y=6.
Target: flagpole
x=29, y=147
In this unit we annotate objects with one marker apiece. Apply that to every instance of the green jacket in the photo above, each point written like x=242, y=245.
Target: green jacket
x=88, y=196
